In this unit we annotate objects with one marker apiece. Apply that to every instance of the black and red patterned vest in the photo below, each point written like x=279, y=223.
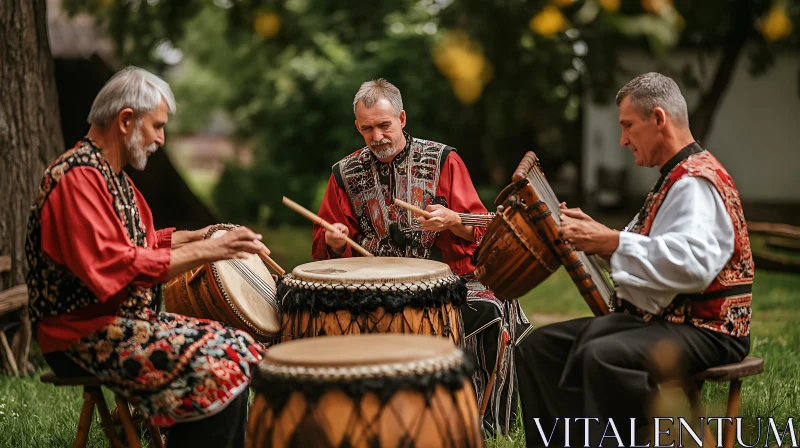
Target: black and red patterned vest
x=371, y=185
x=724, y=305
x=54, y=290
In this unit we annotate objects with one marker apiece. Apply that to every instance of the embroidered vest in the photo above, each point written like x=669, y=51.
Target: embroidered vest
x=724, y=306
x=54, y=290
x=413, y=175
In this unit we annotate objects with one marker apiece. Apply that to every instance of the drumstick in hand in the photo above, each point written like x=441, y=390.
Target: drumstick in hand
x=275, y=267
x=468, y=219
x=317, y=220
x=413, y=208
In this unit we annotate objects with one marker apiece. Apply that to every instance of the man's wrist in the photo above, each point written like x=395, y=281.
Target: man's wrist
x=198, y=235
x=613, y=243
x=337, y=252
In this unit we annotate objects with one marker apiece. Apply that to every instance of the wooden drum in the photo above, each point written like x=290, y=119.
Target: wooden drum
x=383, y=390
x=521, y=247
x=240, y=293
x=372, y=295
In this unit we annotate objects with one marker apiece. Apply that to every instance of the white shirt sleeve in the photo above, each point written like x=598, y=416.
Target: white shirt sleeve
x=690, y=241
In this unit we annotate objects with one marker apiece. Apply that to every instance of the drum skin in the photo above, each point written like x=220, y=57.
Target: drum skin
x=326, y=415
x=203, y=293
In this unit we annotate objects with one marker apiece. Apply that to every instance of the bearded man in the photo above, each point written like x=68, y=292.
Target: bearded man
x=96, y=259
x=359, y=200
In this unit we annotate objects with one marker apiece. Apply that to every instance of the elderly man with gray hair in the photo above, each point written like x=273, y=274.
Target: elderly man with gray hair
x=95, y=260
x=393, y=164
x=684, y=273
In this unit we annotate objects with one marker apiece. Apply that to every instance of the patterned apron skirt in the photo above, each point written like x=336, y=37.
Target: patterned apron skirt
x=171, y=368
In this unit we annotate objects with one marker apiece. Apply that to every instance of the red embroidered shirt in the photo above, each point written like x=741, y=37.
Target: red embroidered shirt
x=455, y=185
x=81, y=232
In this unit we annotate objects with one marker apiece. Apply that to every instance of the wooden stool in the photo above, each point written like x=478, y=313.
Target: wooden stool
x=93, y=396
x=14, y=301
x=732, y=373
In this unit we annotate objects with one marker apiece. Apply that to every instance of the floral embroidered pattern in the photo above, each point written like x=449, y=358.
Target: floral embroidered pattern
x=52, y=289
x=729, y=315
x=172, y=368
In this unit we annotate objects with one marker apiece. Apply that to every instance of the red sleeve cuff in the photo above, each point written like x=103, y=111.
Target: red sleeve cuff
x=164, y=237
x=150, y=266
x=348, y=252
x=477, y=233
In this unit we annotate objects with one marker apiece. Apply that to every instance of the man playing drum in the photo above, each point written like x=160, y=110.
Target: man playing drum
x=430, y=175
x=95, y=259
x=683, y=270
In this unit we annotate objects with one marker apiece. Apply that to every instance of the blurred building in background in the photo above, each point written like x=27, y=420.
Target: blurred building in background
x=755, y=134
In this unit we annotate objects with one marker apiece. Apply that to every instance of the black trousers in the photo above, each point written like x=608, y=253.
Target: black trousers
x=607, y=368
x=225, y=429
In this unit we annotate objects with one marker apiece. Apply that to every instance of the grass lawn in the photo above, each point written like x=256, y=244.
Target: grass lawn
x=33, y=414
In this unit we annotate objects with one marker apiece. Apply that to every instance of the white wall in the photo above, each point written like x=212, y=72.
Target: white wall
x=756, y=131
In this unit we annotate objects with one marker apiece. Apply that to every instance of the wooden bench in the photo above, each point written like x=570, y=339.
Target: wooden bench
x=15, y=300
x=93, y=397
x=732, y=374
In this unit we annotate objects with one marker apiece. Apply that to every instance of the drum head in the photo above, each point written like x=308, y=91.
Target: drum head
x=372, y=270
x=359, y=350
x=250, y=290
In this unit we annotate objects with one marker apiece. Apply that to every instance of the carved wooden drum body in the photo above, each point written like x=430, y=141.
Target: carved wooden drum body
x=240, y=293
x=372, y=295
x=385, y=390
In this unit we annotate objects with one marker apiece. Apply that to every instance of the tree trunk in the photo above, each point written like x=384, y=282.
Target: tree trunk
x=30, y=137
x=30, y=131
x=703, y=116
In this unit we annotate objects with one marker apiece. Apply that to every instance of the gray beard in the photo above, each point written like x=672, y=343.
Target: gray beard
x=383, y=154
x=137, y=156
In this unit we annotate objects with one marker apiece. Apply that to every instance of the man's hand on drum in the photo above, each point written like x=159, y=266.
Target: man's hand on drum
x=181, y=237
x=585, y=234
x=236, y=243
x=337, y=241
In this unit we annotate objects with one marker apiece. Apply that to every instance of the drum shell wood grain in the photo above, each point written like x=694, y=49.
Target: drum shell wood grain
x=337, y=406
x=196, y=294
x=515, y=256
x=322, y=414
x=347, y=275
x=307, y=323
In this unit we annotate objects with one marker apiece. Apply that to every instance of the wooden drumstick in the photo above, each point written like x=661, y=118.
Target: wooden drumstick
x=317, y=220
x=413, y=208
x=490, y=385
x=271, y=263
x=468, y=219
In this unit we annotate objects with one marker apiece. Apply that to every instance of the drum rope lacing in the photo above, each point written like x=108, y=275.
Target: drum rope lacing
x=291, y=281
x=415, y=368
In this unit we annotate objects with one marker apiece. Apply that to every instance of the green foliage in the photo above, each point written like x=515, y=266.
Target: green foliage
x=285, y=73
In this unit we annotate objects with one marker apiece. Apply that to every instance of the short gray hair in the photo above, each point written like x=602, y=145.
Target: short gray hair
x=132, y=87
x=372, y=91
x=652, y=90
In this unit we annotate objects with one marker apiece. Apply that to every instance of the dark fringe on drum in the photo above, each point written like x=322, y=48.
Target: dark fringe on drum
x=278, y=389
x=362, y=301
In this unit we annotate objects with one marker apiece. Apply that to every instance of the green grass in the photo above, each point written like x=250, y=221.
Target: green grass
x=33, y=414
x=775, y=333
